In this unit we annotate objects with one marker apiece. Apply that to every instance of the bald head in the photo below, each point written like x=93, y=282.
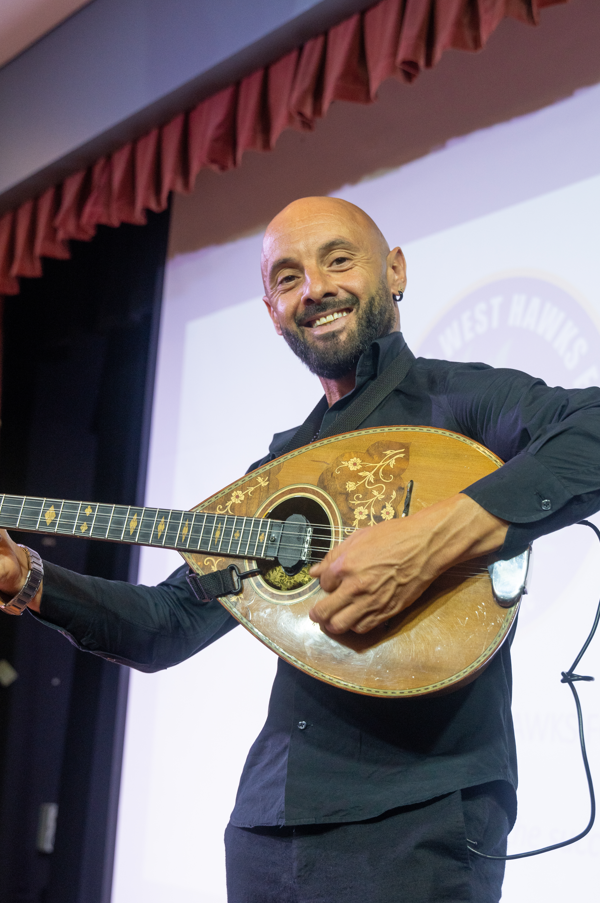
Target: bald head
x=330, y=284
x=330, y=217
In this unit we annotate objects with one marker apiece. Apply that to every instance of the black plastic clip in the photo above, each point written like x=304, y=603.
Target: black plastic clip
x=568, y=677
x=224, y=582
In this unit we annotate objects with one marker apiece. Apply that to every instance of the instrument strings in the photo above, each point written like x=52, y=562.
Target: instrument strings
x=328, y=537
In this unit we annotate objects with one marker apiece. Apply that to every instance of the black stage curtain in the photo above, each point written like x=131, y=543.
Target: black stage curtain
x=78, y=374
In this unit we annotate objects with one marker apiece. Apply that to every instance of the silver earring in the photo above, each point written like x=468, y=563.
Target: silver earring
x=398, y=297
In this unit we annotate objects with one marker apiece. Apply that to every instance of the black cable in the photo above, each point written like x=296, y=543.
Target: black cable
x=568, y=677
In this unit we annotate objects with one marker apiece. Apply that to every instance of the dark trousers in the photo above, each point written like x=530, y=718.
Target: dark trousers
x=413, y=854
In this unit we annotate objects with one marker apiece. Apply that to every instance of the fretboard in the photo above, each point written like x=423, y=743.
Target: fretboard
x=169, y=529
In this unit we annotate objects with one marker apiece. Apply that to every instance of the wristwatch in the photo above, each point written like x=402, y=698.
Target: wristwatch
x=18, y=604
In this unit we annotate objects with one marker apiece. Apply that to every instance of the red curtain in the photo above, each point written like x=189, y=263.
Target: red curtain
x=395, y=38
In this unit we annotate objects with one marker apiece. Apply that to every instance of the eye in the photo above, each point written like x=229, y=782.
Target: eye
x=286, y=279
x=340, y=260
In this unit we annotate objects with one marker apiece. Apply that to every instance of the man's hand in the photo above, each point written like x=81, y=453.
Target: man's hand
x=378, y=571
x=14, y=567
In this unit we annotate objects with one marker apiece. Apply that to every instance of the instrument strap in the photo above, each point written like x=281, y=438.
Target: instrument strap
x=228, y=581
x=359, y=408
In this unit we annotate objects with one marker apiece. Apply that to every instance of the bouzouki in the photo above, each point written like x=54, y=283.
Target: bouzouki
x=272, y=524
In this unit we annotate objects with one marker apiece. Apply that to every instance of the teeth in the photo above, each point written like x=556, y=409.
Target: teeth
x=330, y=318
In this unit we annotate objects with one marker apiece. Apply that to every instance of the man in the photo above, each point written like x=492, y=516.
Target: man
x=345, y=797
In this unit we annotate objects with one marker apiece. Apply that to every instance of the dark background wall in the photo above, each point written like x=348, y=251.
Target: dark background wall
x=79, y=356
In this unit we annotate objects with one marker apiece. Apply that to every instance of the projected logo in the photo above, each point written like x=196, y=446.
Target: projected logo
x=530, y=324
x=523, y=322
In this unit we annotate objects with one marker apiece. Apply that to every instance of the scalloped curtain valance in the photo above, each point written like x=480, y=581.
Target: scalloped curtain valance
x=394, y=38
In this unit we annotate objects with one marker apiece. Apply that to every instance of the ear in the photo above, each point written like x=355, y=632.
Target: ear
x=273, y=315
x=396, y=270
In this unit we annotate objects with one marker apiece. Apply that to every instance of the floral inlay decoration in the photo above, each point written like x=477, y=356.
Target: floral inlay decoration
x=373, y=496
x=238, y=496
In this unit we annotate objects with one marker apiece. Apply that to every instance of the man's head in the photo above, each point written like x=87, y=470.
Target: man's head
x=329, y=277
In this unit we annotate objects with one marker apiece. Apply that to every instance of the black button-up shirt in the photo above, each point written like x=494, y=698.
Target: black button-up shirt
x=327, y=755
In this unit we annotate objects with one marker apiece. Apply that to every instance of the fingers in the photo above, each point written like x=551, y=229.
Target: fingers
x=13, y=565
x=359, y=603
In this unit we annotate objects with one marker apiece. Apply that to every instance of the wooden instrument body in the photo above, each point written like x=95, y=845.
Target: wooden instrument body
x=357, y=480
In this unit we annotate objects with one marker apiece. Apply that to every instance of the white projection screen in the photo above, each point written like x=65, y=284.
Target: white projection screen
x=501, y=234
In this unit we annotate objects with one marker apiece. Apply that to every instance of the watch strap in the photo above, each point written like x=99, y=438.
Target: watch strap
x=18, y=604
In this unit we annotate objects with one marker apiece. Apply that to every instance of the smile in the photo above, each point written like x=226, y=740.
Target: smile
x=328, y=318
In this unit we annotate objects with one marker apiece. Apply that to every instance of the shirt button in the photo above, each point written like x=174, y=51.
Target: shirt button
x=301, y=725
x=546, y=504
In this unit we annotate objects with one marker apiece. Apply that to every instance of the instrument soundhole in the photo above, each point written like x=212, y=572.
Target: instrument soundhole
x=273, y=574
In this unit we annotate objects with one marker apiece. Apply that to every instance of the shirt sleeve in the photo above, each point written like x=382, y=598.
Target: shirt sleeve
x=145, y=627
x=550, y=441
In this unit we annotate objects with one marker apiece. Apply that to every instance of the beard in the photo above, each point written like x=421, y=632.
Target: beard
x=336, y=356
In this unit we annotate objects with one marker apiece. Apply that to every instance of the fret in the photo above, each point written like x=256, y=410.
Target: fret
x=211, y=522
x=10, y=508
x=47, y=515
x=93, y=527
x=118, y=522
x=250, y=526
x=20, y=512
x=29, y=513
x=172, y=531
x=235, y=534
x=147, y=524
x=189, y=539
x=214, y=524
x=154, y=524
x=218, y=538
x=160, y=526
x=146, y=528
x=132, y=524
x=82, y=522
x=226, y=533
x=101, y=521
x=125, y=522
x=215, y=535
x=66, y=519
x=112, y=513
x=183, y=539
x=264, y=538
x=77, y=516
x=168, y=524
x=37, y=526
x=246, y=534
x=63, y=520
x=259, y=536
x=197, y=531
x=60, y=513
x=253, y=538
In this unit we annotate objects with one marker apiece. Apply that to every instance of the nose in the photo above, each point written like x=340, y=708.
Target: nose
x=318, y=286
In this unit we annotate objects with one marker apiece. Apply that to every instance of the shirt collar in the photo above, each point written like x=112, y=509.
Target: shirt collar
x=370, y=364
x=373, y=361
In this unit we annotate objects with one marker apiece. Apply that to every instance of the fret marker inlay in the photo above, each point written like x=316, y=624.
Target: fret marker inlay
x=88, y=511
x=133, y=524
x=161, y=527
x=50, y=515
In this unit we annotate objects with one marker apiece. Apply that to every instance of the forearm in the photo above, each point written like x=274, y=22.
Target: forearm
x=149, y=628
x=379, y=571
x=460, y=529
x=550, y=439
